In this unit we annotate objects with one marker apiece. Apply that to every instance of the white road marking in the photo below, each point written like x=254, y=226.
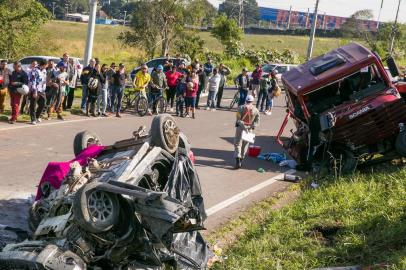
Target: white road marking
x=224, y=204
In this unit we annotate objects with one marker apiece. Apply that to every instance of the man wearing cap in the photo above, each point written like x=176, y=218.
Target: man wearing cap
x=247, y=120
x=158, y=83
x=109, y=78
x=37, y=94
x=18, y=78
x=4, y=81
x=242, y=82
x=142, y=79
x=256, y=78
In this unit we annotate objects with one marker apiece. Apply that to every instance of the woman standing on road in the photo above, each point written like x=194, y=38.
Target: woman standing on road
x=191, y=93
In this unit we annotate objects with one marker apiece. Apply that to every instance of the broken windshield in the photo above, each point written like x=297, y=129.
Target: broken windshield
x=365, y=82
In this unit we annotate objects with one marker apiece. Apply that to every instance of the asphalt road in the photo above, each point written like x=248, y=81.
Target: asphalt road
x=26, y=150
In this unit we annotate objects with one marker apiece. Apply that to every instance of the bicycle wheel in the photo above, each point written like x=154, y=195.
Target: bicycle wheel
x=141, y=105
x=126, y=103
x=160, y=105
x=235, y=100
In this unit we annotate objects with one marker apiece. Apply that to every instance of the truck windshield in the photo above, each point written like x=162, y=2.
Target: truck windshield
x=365, y=82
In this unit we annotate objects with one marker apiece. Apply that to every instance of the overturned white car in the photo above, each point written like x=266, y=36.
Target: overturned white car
x=136, y=204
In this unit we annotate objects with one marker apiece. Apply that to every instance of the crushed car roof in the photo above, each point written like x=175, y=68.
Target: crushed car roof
x=327, y=68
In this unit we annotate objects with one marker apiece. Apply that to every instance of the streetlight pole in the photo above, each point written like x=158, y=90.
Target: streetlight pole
x=379, y=16
x=90, y=31
x=394, y=30
x=313, y=32
x=53, y=8
x=125, y=17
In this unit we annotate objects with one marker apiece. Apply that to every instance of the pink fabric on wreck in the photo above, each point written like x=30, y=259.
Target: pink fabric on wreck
x=56, y=171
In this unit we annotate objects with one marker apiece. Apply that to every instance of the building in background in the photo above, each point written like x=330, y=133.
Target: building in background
x=279, y=19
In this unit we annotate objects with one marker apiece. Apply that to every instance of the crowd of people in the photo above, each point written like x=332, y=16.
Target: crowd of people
x=50, y=87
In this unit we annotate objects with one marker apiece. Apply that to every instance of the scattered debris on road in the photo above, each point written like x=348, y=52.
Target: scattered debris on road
x=136, y=204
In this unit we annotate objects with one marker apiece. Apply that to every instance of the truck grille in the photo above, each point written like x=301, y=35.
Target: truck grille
x=373, y=126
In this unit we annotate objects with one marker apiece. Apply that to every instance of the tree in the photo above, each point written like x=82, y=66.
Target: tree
x=250, y=10
x=226, y=30
x=158, y=23
x=189, y=44
x=354, y=26
x=20, y=22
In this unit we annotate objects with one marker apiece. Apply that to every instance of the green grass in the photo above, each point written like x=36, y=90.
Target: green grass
x=59, y=37
x=357, y=220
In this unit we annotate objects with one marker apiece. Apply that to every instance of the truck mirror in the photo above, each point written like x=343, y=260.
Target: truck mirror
x=393, y=68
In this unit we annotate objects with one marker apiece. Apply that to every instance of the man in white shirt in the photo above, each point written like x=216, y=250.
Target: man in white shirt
x=37, y=92
x=214, y=83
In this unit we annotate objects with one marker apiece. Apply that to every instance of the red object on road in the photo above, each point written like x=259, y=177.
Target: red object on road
x=254, y=150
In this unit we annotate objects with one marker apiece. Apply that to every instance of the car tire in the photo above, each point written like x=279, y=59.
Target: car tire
x=83, y=140
x=165, y=133
x=95, y=210
x=400, y=144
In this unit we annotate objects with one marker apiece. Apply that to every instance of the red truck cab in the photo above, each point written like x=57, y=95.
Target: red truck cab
x=345, y=108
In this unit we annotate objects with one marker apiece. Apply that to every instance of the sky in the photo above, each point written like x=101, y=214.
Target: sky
x=338, y=7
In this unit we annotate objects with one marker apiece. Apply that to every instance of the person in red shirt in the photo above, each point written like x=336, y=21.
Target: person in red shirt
x=191, y=93
x=172, y=77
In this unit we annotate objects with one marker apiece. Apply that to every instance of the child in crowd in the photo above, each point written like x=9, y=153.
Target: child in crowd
x=180, y=95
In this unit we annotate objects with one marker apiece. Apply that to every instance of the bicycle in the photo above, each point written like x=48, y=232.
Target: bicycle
x=235, y=100
x=129, y=99
x=157, y=104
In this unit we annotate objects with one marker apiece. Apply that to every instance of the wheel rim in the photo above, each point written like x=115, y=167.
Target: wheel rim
x=92, y=141
x=100, y=206
x=171, y=133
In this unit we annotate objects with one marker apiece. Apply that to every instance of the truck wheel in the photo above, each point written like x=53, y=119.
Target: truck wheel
x=401, y=144
x=165, y=133
x=95, y=210
x=348, y=160
x=83, y=140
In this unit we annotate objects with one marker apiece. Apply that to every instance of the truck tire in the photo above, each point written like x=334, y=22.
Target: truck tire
x=349, y=162
x=95, y=210
x=401, y=144
x=83, y=140
x=165, y=133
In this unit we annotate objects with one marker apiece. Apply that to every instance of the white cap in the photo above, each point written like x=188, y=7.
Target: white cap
x=249, y=98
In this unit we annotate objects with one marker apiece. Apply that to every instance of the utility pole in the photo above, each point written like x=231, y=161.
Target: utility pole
x=307, y=18
x=53, y=8
x=125, y=16
x=313, y=31
x=379, y=16
x=90, y=31
x=290, y=14
x=394, y=29
x=241, y=14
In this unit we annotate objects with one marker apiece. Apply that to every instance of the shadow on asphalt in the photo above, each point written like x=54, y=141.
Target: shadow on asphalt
x=225, y=158
x=14, y=213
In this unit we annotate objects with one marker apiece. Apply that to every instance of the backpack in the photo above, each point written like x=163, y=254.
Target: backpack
x=277, y=91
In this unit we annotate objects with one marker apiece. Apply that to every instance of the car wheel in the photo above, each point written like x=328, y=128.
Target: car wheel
x=165, y=133
x=95, y=210
x=83, y=140
x=401, y=144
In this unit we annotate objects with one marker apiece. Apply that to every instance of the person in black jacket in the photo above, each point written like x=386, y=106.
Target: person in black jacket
x=102, y=99
x=18, y=78
x=93, y=88
x=243, y=84
x=87, y=73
